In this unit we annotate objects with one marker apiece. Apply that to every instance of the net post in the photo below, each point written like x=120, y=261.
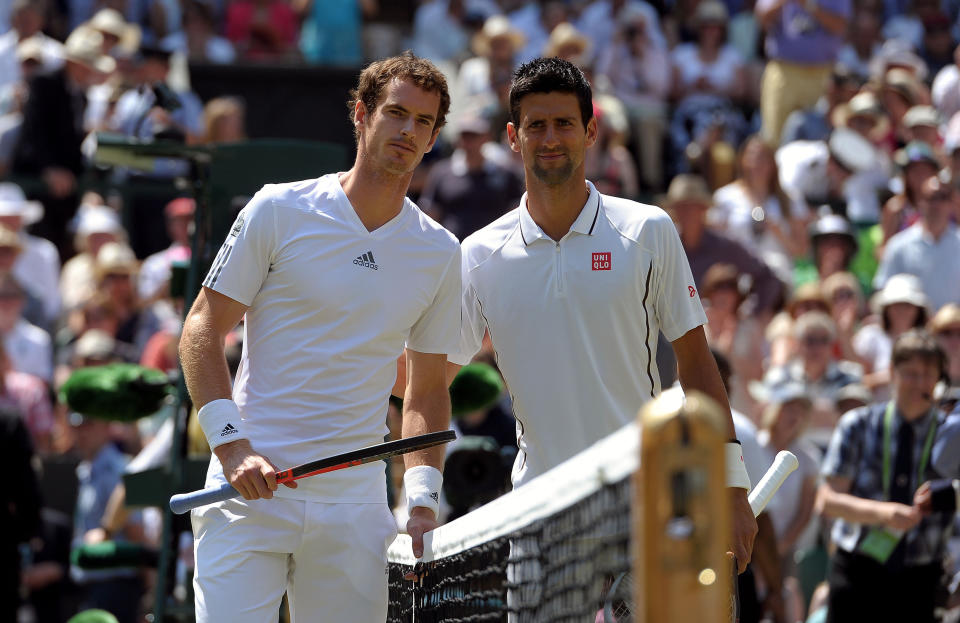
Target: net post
x=681, y=519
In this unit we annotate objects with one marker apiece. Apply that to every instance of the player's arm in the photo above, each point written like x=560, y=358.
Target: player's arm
x=697, y=370
x=426, y=408
x=835, y=501
x=205, y=370
x=400, y=384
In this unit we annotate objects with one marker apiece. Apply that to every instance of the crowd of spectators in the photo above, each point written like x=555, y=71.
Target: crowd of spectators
x=808, y=152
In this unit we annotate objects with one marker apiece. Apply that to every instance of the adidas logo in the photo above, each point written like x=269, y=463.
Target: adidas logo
x=228, y=430
x=366, y=260
x=435, y=496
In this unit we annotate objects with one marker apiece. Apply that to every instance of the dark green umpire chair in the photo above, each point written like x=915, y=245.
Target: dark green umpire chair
x=221, y=178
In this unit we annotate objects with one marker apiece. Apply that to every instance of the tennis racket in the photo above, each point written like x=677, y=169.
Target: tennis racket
x=183, y=502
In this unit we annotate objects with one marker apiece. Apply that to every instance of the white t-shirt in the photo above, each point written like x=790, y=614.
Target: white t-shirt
x=732, y=211
x=575, y=323
x=331, y=306
x=721, y=73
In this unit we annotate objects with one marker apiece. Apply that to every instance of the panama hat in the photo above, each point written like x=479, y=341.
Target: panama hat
x=85, y=46
x=864, y=104
x=565, y=35
x=495, y=27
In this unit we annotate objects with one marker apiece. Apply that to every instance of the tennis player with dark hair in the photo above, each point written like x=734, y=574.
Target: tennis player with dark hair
x=335, y=276
x=574, y=287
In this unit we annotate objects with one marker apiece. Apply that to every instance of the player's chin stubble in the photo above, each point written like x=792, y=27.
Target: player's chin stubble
x=554, y=177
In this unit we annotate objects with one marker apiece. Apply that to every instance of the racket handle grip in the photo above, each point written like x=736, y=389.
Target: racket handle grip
x=183, y=502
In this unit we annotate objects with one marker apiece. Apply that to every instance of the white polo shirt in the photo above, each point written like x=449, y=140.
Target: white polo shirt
x=331, y=307
x=574, y=323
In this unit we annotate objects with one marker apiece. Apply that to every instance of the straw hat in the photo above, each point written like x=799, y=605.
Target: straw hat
x=900, y=288
x=720, y=275
x=14, y=203
x=810, y=292
x=565, y=34
x=904, y=83
x=923, y=115
x=111, y=21
x=947, y=316
x=711, y=12
x=495, y=27
x=30, y=48
x=115, y=257
x=9, y=239
x=85, y=46
x=687, y=188
x=864, y=104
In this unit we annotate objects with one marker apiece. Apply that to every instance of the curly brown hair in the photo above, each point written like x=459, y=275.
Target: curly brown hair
x=407, y=66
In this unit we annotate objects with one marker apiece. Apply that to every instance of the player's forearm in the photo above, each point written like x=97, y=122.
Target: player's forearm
x=425, y=411
x=204, y=362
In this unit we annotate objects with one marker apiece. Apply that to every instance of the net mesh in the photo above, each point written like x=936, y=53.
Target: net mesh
x=570, y=565
x=563, y=568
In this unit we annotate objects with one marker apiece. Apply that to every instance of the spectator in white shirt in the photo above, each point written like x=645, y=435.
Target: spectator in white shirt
x=28, y=347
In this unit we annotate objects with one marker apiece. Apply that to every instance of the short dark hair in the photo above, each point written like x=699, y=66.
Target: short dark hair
x=421, y=72
x=550, y=75
x=918, y=344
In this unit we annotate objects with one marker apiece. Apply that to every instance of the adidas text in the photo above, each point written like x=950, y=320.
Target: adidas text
x=366, y=260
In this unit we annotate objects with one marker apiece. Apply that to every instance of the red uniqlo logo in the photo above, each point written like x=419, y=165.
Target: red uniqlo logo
x=601, y=261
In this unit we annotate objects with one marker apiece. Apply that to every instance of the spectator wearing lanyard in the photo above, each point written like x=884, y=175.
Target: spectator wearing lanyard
x=889, y=546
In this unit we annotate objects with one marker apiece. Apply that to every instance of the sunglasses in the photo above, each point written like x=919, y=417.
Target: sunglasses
x=844, y=295
x=953, y=332
x=816, y=340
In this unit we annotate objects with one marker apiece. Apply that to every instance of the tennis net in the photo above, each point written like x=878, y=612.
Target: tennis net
x=556, y=549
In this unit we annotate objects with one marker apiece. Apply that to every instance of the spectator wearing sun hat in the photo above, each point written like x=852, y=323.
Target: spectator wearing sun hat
x=96, y=225
x=945, y=328
x=928, y=249
x=900, y=306
x=38, y=263
x=27, y=21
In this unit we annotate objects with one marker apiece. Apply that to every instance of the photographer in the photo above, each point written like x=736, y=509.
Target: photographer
x=890, y=536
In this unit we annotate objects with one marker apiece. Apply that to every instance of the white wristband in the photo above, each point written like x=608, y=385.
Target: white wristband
x=220, y=421
x=736, y=469
x=422, y=485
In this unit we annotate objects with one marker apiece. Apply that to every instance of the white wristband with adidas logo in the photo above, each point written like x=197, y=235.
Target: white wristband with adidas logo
x=422, y=485
x=220, y=421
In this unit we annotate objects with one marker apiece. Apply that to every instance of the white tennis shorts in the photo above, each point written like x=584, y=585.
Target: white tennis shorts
x=331, y=559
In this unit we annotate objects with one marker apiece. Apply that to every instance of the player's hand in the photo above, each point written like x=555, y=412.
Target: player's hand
x=923, y=499
x=744, y=527
x=421, y=520
x=250, y=473
x=900, y=517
